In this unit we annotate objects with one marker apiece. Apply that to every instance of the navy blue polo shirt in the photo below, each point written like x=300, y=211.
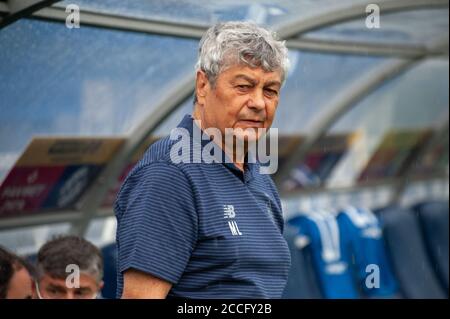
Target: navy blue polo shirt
x=210, y=229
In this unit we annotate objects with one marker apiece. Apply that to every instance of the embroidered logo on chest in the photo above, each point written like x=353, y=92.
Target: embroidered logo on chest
x=230, y=214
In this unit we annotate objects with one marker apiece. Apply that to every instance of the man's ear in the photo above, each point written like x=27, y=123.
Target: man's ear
x=201, y=87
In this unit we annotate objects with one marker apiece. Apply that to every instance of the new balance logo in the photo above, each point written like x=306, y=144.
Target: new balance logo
x=234, y=228
x=229, y=213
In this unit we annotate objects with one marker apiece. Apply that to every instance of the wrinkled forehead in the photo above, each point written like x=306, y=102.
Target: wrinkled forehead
x=254, y=75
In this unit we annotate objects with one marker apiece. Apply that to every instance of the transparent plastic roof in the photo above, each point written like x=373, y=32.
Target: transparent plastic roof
x=414, y=27
x=175, y=118
x=89, y=82
x=392, y=122
x=417, y=99
x=207, y=12
x=302, y=97
x=374, y=139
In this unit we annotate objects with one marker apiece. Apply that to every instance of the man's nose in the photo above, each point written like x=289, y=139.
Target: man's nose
x=257, y=101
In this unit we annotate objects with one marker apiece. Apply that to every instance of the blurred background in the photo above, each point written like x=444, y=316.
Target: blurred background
x=363, y=128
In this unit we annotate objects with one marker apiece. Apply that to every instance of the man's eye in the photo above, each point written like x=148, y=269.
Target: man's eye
x=270, y=92
x=243, y=87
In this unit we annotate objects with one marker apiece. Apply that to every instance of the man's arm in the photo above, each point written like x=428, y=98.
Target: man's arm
x=139, y=285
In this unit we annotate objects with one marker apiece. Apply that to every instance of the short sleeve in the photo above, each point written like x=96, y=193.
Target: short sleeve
x=156, y=221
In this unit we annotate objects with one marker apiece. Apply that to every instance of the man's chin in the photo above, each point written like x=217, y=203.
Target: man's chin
x=248, y=139
x=244, y=134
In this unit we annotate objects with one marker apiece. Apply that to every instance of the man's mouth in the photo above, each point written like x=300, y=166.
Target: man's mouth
x=252, y=123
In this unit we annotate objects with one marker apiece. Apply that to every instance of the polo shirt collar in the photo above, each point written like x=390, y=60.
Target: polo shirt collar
x=250, y=168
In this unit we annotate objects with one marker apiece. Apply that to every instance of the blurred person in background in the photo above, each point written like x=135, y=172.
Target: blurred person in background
x=15, y=276
x=68, y=267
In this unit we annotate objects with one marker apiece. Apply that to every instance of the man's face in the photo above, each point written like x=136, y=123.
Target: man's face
x=56, y=288
x=20, y=285
x=243, y=97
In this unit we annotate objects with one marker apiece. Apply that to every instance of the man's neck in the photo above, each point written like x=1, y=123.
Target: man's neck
x=238, y=158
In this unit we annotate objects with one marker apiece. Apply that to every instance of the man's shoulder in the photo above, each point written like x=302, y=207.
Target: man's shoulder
x=155, y=162
x=154, y=169
x=158, y=152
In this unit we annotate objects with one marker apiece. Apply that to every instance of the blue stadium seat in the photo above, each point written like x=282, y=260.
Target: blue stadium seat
x=329, y=252
x=408, y=253
x=364, y=233
x=302, y=283
x=433, y=217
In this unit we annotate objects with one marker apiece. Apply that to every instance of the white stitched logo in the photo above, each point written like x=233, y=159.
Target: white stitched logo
x=229, y=212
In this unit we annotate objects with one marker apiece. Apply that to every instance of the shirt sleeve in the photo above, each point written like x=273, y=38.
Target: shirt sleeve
x=156, y=222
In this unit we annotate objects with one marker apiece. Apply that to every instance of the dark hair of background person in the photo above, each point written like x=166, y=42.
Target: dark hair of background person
x=56, y=254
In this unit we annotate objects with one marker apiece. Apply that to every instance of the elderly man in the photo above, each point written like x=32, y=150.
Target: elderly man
x=68, y=267
x=202, y=229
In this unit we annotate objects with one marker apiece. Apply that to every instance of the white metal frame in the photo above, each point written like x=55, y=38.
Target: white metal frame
x=348, y=12
x=15, y=9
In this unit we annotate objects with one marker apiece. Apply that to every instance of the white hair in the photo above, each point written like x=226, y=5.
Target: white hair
x=230, y=43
